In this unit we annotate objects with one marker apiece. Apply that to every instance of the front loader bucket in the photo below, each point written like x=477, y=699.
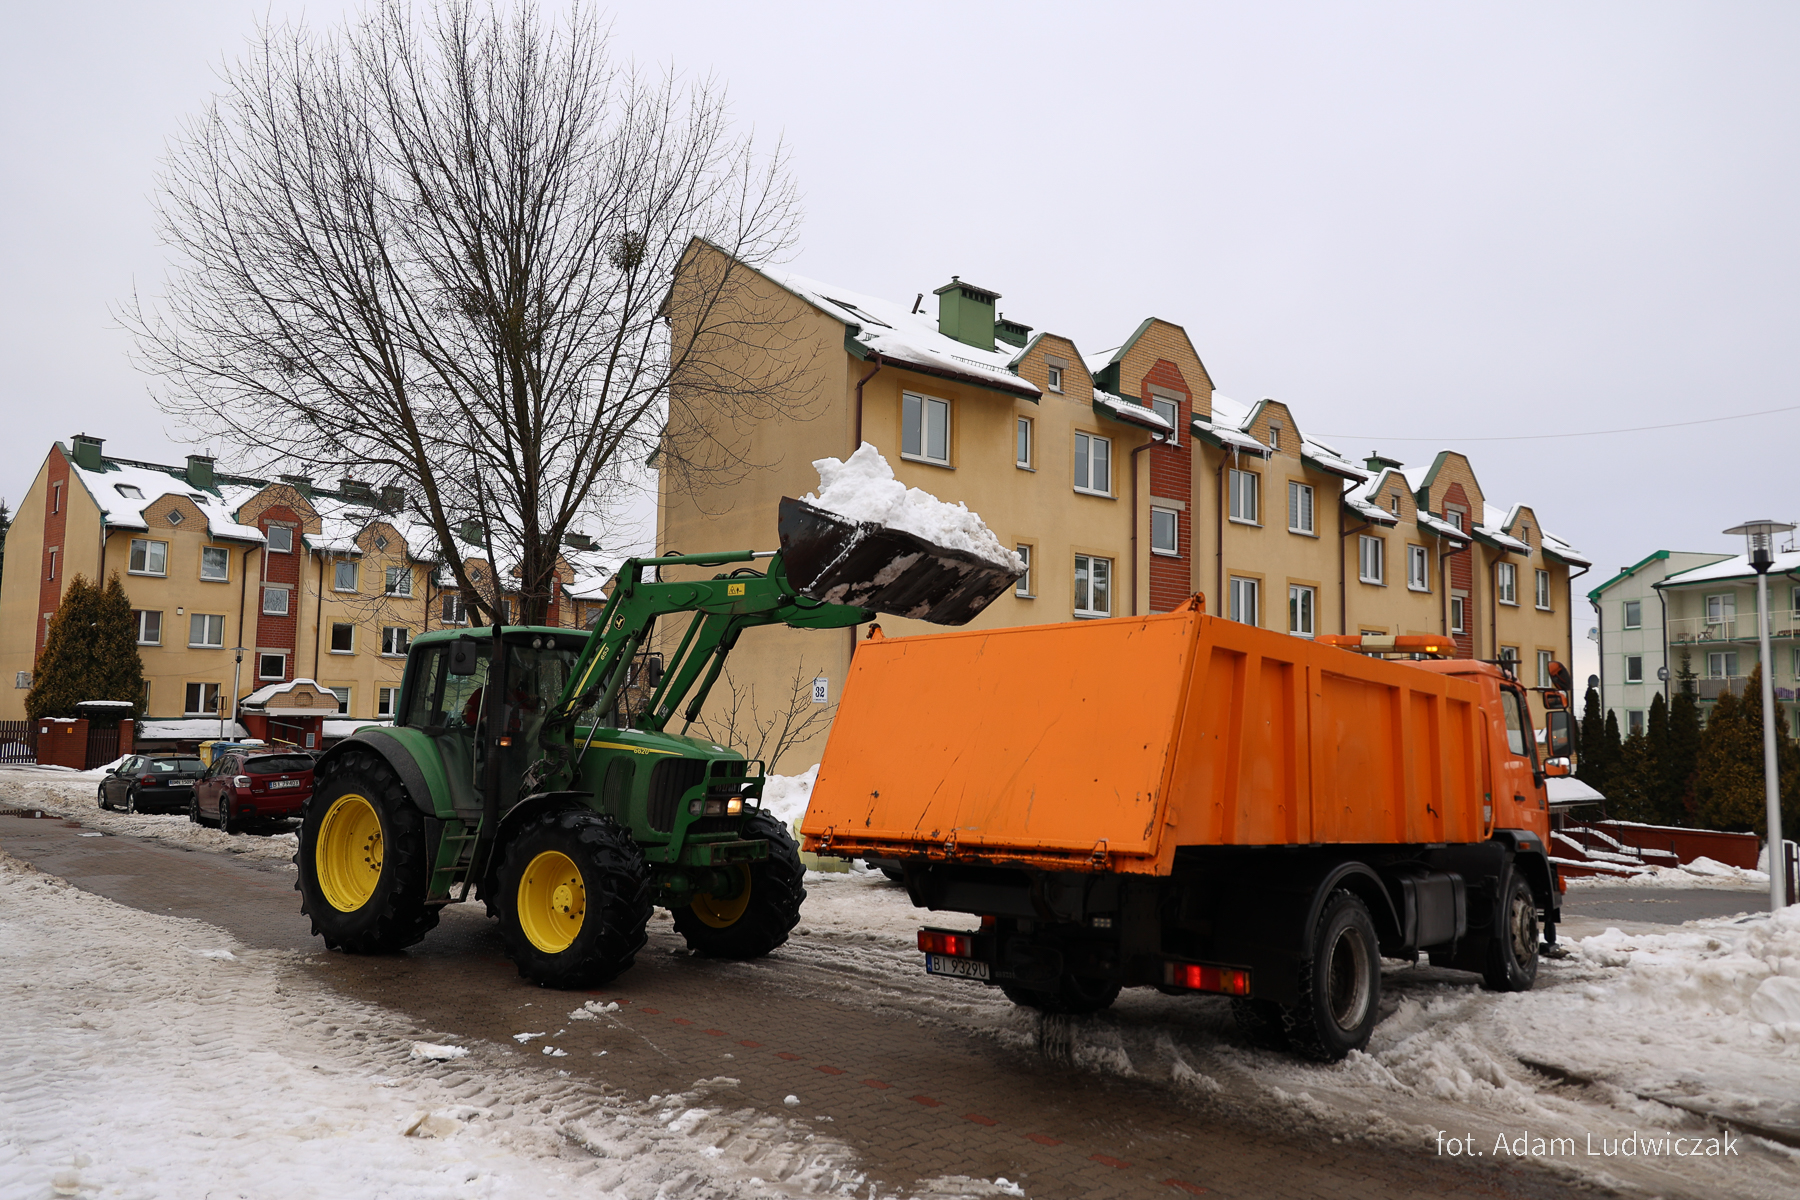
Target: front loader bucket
x=840, y=561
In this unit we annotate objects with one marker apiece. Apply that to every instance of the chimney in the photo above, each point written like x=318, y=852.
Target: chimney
x=300, y=483
x=1378, y=464
x=200, y=471
x=352, y=489
x=578, y=541
x=393, y=499
x=87, y=452
x=1011, y=332
x=471, y=532
x=966, y=313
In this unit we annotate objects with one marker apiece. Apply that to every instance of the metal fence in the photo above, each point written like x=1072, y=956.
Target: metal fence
x=18, y=741
x=102, y=747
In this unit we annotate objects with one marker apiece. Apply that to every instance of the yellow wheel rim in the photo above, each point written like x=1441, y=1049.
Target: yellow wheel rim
x=552, y=901
x=347, y=856
x=721, y=914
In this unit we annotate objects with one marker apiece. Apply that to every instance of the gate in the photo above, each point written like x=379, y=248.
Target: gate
x=102, y=746
x=18, y=741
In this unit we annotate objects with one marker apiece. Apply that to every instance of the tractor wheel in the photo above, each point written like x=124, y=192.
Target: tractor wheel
x=1072, y=995
x=364, y=865
x=1340, y=987
x=574, y=899
x=1512, y=951
x=767, y=904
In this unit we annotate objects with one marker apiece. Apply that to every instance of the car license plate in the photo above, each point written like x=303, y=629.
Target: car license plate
x=281, y=783
x=182, y=778
x=961, y=968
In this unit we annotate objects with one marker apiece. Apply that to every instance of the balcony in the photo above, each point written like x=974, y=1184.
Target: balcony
x=1698, y=630
x=1712, y=689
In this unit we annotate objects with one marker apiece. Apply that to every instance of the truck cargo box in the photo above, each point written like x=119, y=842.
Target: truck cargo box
x=1106, y=744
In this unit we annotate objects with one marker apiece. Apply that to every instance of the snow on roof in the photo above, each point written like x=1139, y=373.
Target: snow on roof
x=1441, y=527
x=1364, y=499
x=1736, y=567
x=123, y=490
x=909, y=338
x=1130, y=412
x=1555, y=545
x=262, y=695
x=594, y=570
x=342, y=521
x=343, y=727
x=186, y=729
x=1328, y=459
x=1226, y=426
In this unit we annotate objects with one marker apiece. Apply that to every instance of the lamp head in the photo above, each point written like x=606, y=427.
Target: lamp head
x=1759, y=541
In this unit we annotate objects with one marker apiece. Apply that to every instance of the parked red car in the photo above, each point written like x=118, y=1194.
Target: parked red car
x=250, y=785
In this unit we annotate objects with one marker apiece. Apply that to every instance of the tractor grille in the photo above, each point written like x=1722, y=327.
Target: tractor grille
x=703, y=825
x=668, y=781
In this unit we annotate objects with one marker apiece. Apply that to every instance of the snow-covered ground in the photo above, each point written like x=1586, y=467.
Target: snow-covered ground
x=1657, y=1034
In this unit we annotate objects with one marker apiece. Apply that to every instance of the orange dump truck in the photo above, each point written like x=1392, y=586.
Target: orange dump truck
x=1188, y=803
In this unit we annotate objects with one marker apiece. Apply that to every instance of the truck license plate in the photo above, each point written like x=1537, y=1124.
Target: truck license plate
x=961, y=968
x=281, y=783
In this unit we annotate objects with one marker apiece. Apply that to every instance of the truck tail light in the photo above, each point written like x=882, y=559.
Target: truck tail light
x=1229, y=980
x=956, y=945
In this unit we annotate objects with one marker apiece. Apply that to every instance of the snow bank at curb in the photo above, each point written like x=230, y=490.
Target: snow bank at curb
x=1700, y=873
x=863, y=488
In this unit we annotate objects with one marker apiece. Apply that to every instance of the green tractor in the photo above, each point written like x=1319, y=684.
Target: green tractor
x=518, y=766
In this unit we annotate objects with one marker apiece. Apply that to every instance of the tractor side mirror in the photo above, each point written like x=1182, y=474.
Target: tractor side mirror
x=653, y=670
x=463, y=657
x=1561, y=733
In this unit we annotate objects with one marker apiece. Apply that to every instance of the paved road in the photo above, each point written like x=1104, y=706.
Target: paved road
x=915, y=1101
x=1659, y=906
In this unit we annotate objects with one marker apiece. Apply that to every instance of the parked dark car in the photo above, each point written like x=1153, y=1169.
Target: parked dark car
x=252, y=785
x=151, y=783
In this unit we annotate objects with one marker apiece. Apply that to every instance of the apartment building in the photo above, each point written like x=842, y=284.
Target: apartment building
x=1712, y=616
x=1123, y=478
x=239, y=583
x=1631, y=615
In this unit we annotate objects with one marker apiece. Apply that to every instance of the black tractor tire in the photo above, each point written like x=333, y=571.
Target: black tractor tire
x=1340, y=984
x=1512, y=950
x=1072, y=995
x=1260, y=1021
x=390, y=913
x=776, y=887
x=581, y=867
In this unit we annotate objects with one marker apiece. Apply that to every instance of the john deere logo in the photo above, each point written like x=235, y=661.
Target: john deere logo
x=734, y=589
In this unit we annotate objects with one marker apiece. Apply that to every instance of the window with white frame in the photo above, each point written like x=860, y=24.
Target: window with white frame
x=1418, y=568
x=1634, y=668
x=1543, y=664
x=1543, y=589
x=149, y=627
x=452, y=610
x=1634, y=614
x=343, y=575
x=1241, y=487
x=399, y=581
x=1093, y=586
x=275, y=602
x=1093, y=464
x=215, y=564
x=1022, y=442
x=202, y=698
x=148, y=557
x=1245, y=599
x=1722, y=664
x=1458, y=610
x=1301, y=603
x=925, y=428
x=1371, y=559
x=1055, y=374
x=1506, y=583
x=1170, y=412
x=1634, y=722
x=343, y=638
x=53, y=551
x=1165, y=531
x=271, y=666
x=1721, y=608
x=1022, y=586
x=281, y=539
x=206, y=630
x=395, y=639
x=343, y=699
x=1300, y=508
x=1456, y=517
x=386, y=699
x=1274, y=435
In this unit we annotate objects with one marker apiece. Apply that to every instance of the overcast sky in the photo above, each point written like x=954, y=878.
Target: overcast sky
x=1430, y=221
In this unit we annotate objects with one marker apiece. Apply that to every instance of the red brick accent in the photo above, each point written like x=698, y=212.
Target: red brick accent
x=1462, y=571
x=56, y=528
x=782, y=1054
x=1171, y=477
x=127, y=728
x=1043, y=1139
x=681, y=1020
x=928, y=1102
x=63, y=743
x=876, y=1083
x=1107, y=1160
x=748, y=1042
x=830, y=1070
x=979, y=1119
x=279, y=633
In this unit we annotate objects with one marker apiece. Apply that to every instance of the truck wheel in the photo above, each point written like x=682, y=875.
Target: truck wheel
x=766, y=907
x=574, y=899
x=1073, y=995
x=1340, y=988
x=1260, y=1022
x=1512, y=952
x=363, y=863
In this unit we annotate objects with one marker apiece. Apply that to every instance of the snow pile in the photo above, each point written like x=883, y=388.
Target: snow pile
x=864, y=489
x=1700, y=873
x=785, y=797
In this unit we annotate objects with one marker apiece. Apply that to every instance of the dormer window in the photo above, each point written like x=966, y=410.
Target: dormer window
x=1056, y=379
x=1274, y=436
x=1394, y=503
x=129, y=491
x=175, y=517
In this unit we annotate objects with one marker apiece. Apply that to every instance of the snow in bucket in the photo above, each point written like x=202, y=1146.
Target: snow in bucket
x=863, y=488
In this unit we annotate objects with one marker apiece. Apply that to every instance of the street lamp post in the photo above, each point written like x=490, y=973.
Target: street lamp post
x=1759, y=537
